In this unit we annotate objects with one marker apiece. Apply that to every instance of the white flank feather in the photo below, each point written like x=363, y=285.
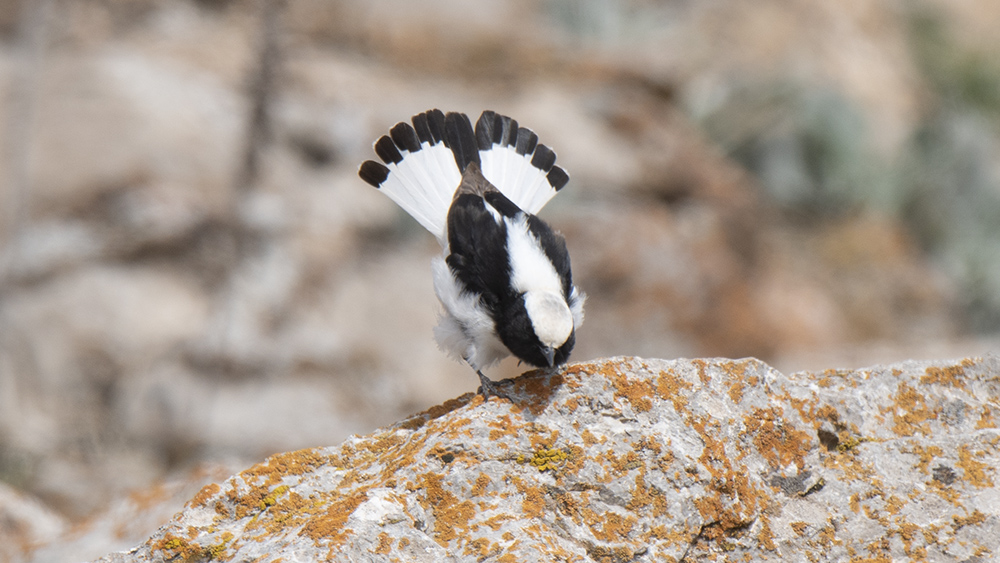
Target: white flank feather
x=465, y=330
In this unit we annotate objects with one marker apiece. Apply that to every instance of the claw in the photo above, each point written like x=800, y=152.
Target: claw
x=489, y=388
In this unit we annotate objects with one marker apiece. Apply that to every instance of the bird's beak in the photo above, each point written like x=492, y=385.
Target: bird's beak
x=550, y=355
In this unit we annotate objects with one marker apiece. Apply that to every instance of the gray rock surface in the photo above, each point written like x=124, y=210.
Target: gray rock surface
x=628, y=459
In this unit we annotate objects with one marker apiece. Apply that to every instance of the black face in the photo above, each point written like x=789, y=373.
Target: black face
x=517, y=334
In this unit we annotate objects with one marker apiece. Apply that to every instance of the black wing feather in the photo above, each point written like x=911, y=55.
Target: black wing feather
x=478, y=246
x=501, y=203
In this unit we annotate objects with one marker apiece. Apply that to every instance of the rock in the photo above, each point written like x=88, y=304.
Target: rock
x=626, y=459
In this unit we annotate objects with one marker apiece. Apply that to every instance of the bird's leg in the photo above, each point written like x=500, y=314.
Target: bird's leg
x=489, y=388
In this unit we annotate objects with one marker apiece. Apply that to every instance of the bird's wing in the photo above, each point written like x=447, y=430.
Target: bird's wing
x=478, y=249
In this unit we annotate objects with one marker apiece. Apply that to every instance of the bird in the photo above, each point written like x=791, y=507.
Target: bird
x=504, y=278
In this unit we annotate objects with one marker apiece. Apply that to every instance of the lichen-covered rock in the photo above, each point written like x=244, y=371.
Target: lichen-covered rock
x=627, y=459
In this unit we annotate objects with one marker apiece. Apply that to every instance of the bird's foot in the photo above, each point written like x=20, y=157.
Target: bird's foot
x=489, y=388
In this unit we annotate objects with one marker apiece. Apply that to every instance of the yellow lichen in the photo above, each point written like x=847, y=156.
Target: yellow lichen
x=270, y=499
x=548, y=459
x=849, y=443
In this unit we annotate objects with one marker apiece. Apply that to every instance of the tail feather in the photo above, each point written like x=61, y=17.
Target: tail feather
x=460, y=138
x=422, y=164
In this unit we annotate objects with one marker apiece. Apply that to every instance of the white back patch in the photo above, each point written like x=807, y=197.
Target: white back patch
x=530, y=268
x=533, y=275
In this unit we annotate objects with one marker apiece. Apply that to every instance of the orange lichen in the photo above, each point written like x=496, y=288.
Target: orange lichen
x=638, y=392
x=384, y=544
x=292, y=509
x=951, y=375
x=736, y=391
x=975, y=472
x=494, y=522
x=893, y=504
x=737, y=371
x=641, y=496
x=626, y=462
x=766, y=536
x=670, y=387
x=571, y=404
x=828, y=412
x=206, y=493
x=479, y=547
x=973, y=519
x=330, y=526
x=734, y=502
x=419, y=420
x=702, y=367
x=533, y=505
x=261, y=477
x=482, y=482
x=780, y=443
x=539, y=387
x=831, y=377
x=910, y=413
x=451, y=517
x=926, y=456
x=986, y=419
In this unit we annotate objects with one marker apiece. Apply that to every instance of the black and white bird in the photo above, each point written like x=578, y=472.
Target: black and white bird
x=504, y=276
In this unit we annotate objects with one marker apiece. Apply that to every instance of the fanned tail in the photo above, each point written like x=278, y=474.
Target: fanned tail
x=422, y=164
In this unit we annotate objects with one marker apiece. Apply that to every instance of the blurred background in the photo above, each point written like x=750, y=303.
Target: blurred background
x=192, y=276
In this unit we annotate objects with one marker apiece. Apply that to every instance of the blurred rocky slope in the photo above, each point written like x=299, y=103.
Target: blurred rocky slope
x=192, y=271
